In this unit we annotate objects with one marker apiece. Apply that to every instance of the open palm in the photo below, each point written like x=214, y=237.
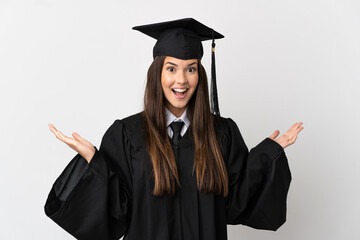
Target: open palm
x=289, y=137
x=79, y=144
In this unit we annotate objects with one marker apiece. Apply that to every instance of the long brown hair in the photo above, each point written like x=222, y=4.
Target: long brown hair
x=210, y=168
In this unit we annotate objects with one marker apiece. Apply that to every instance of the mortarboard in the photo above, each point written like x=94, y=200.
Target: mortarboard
x=182, y=39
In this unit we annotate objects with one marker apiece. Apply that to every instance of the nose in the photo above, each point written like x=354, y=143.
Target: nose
x=181, y=78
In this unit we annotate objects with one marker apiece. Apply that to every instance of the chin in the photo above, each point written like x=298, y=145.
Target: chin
x=183, y=105
x=176, y=105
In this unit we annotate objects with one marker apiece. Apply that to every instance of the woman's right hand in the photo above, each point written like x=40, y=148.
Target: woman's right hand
x=80, y=145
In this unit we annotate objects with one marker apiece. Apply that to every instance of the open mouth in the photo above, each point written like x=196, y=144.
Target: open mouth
x=179, y=92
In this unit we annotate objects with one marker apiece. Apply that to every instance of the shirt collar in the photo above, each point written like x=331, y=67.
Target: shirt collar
x=171, y=117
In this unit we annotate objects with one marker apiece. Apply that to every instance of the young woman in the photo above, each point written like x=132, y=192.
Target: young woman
x=174, y=170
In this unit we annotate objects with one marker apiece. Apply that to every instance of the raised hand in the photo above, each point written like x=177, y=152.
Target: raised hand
x=79, y=144
x=289, y=137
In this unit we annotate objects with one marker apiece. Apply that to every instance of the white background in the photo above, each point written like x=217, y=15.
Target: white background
x=78, y=65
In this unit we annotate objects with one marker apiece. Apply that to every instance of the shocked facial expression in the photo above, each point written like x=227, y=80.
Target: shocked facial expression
x=179, y=79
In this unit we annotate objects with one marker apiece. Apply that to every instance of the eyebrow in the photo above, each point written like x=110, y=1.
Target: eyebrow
x=177, y=65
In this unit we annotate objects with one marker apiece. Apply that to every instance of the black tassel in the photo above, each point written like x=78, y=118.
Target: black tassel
x=214, y=105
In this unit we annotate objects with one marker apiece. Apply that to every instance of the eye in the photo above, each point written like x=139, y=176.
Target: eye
x=171, y=69
x=192, y=69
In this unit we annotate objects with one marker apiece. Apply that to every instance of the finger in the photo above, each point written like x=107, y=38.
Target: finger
x=293, y=127
x=72, y=143
x=293, y=130
x=56, y=132
x=294, y=139
x=61, y=136
x=300, y=129
x=52, y=129
x=275, y=134
x=296, y=134
x=52, y=126
x=77, y=136
x=67, y=139
x=299, y=125
x=292, y=134
x=82, y=140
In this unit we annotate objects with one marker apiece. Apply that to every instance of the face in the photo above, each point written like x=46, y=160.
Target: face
x=179, y=79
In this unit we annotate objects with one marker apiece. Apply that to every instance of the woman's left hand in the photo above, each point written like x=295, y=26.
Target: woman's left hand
x=289, y=137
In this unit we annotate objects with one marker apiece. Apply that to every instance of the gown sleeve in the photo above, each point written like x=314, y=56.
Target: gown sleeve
x=93, y=201
x=259, y=181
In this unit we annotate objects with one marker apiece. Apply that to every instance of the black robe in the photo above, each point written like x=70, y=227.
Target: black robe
x=112, y=196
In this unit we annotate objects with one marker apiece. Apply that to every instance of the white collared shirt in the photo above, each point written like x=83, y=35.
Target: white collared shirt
x=171, y=118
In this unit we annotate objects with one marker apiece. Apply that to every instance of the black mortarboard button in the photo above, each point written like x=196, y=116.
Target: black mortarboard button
x=182, y=39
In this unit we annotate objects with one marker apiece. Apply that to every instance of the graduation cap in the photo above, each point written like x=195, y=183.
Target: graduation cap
x=182, y=39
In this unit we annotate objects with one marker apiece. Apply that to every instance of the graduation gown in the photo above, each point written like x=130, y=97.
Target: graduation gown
x=112, y=196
